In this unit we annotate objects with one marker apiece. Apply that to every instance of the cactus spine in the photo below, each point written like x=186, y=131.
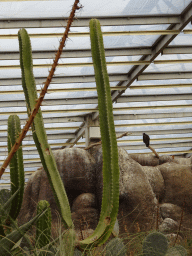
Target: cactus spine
x=43, y=227
x=39, y=134
x=110, y=199
x=16, y=166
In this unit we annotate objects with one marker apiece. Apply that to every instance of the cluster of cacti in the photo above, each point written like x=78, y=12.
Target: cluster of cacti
x=110, y=201
x=10, y=208
x=156, y=244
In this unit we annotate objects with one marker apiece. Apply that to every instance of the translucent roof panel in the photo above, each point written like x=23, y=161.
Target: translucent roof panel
x=38, y=9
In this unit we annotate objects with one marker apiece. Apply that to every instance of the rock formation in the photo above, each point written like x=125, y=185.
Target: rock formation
x=146, y=185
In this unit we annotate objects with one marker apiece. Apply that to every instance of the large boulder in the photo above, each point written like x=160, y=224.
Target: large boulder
x=145, y=183
x=77, y=169
x=137, y=199
x=156, y=180
x=178, y=184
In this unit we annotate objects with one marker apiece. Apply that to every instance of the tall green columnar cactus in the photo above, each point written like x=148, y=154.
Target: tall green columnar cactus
x=39, y=134
x=110, y=199
x=16, y=166
x=43, y=228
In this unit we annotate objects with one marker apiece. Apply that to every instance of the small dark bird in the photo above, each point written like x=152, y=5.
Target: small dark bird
x=146, y=139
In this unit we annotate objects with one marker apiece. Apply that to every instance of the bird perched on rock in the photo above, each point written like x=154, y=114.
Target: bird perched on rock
x=146, y=139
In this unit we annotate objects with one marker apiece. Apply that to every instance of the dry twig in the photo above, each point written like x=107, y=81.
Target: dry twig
x=98, y=143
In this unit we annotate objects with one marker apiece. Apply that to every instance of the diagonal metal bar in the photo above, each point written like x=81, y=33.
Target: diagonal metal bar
x=161, y=43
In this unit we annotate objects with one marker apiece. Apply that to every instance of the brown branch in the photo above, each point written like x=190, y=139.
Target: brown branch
x=153, y=150
x=98, y=143
x=43, y=91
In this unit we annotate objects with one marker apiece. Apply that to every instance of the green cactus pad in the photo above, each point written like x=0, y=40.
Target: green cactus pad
x=116, y=248
x=177, y=250
x=77, y=253
x=155, y=244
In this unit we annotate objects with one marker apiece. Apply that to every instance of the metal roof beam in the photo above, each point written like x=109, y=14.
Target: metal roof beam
x=56, y=136
x=63, y=79
x=80, y=53
x=79, y=133
x=49, y=120
x=92, y=109
x=14, y=23
x=94, y=100
x=164, y=75
x=83, y=53
x=154, y=97
x=151, y=116
x=178, y=49
x=161, y=43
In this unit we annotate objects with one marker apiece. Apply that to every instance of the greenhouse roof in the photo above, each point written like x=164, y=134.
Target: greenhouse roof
x=148, y=47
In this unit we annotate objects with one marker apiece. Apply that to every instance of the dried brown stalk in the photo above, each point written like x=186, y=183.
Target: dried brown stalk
x=153, y=150
x=157, y=220
x=98, y=143
x=43, y=91
x=182, y=213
